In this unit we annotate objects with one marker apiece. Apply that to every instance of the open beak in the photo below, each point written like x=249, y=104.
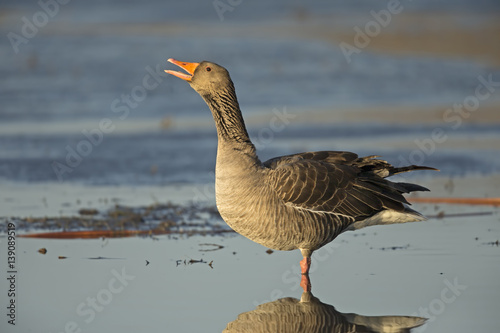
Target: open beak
x=187, y=66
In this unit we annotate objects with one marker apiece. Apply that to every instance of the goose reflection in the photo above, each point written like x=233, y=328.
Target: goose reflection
x=310, y=315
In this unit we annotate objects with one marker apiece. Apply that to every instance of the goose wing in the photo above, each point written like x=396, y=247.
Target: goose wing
x=338, y=182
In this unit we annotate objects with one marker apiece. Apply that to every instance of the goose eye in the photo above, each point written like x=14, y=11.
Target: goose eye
x=208, y=69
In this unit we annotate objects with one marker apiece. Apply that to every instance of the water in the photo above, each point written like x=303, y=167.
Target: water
x=87, y=74
x=88, y=119
x=358, y=273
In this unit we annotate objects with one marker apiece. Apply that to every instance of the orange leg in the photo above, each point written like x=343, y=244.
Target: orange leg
x=305, y=264
x=305, y=283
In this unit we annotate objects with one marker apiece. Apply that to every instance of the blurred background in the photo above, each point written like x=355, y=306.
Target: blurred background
x=84, y=101
x=89, y=120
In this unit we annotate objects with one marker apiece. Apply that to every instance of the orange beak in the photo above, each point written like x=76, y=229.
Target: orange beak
x=187, y=66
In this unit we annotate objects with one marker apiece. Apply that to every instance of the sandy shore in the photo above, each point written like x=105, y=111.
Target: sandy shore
x=439, y=34
x=451, y=36
x=397, y=114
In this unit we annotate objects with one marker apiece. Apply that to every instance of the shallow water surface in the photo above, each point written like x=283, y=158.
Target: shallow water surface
x=203, y=283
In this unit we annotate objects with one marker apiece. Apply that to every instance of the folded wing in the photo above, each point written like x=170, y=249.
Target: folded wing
x=339, y=182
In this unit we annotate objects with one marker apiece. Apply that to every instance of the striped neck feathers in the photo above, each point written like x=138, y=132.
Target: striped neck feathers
x=227, y=114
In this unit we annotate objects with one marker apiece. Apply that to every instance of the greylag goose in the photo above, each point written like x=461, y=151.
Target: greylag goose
x=300, y=201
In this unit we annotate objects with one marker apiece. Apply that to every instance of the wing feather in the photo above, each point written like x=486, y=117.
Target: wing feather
x=338, y=182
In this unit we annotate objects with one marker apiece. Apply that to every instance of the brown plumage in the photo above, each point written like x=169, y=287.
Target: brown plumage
x=301, y=201
x=310, y=315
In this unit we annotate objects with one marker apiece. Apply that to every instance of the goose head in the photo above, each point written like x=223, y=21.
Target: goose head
x=204, y=77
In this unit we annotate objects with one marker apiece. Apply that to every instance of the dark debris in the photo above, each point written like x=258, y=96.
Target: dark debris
x=393, y=248
x=186, y=262
x=207, y=247
x=169, y=218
